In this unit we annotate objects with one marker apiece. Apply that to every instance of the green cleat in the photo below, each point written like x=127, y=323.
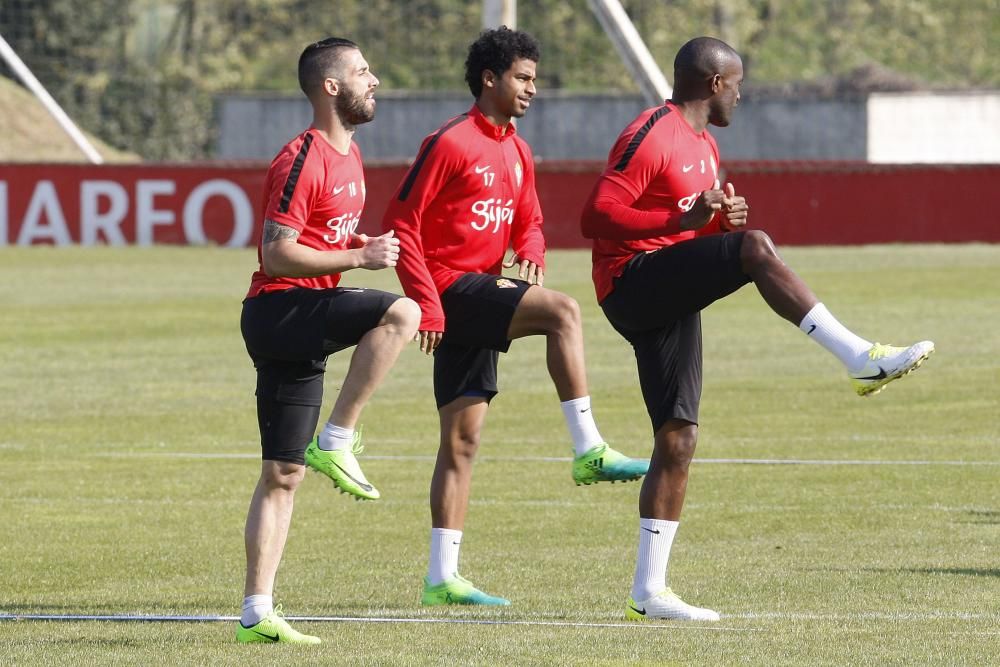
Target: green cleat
x=457, y=590
x=273, y=629
x=342, y=467
x=603, y=464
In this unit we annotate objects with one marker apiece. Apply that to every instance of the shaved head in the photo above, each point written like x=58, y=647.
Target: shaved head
x=700, y=58
x=708, y=74
x=322, y=60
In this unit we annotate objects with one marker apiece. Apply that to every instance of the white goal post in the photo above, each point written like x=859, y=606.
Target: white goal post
x=21, y=70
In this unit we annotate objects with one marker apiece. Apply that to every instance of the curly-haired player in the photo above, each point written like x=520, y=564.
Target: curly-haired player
x=468, y=196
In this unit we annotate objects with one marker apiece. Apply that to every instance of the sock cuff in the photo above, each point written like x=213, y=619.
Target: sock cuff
x=818, y=314
x=581, y=403
x=252, y=600
x=658, y=523
x=335, y=431
x=446, y=532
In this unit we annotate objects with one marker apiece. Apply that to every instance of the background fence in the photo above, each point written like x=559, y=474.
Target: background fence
x=143, y=75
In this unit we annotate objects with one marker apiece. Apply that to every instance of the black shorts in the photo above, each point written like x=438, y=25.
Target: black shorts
x=478, y=309
x=656, y=305
x=289, y=334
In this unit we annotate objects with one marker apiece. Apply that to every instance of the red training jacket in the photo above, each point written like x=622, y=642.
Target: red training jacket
x=469, y=195
x=656, y=170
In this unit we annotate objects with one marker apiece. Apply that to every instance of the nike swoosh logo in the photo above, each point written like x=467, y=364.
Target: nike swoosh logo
x=480, y=170
x=456, y=542
x=812, y=327
x=654, y=532
x=686, y=168
x=881, y=375
x=272, y=638
x=337, y=191
x=582, y=411
x=366, y=487
x=638, y=611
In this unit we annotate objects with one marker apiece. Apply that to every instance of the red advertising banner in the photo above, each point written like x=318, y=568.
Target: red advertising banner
x=797, y=203
x=129, y=205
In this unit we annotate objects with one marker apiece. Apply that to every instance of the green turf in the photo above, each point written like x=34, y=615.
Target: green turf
x=127, y=459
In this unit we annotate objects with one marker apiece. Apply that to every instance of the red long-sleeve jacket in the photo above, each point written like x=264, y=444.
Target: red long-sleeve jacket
x=469, y=195
x=656, y=170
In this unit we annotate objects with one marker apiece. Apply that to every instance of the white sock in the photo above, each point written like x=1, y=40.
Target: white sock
x=445, y=544
x=255, y=608
x=821, y=326
x=656, y=536
x=582, y=428
x=335, y=437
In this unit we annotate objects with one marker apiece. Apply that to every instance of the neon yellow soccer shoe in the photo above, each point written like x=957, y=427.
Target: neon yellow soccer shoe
x=342, y=467
x=273, y=629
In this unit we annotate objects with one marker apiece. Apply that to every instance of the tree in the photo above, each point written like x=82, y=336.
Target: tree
x=142, y=74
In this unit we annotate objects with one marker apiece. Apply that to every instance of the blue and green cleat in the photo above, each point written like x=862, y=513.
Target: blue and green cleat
x=604, y=464
x=458, y=590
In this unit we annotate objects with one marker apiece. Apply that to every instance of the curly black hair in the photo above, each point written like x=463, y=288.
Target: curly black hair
x=496, y=50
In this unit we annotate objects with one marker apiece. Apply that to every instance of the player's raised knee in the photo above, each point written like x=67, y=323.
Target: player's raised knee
x=566, y=310
x=404, y=314
x=757, y=248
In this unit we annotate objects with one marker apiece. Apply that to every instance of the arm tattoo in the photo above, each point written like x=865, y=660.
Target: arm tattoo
x=274, y=232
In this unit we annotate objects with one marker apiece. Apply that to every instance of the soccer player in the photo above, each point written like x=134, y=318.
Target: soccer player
x=469, y=194
x=667, y=242
x=295, y=316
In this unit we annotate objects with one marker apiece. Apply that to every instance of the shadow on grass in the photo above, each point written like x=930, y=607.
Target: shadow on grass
x=961, y=571
x=82, y=641
x=964, y=571
x=983, y=517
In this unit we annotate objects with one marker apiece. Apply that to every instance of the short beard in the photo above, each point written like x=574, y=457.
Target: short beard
x=353, y=109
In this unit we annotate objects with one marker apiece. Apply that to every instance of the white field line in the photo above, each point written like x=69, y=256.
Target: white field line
x=143, y=618
x=869, y=616
x=566, y=459
x=781, y=616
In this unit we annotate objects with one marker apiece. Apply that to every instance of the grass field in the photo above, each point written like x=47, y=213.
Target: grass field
x=128, y=452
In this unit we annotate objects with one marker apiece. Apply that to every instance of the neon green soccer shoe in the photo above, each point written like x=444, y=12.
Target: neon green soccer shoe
x=273, y=629
x=342, y=467
x=887, y=363
x=457, y=590
x=603, y=464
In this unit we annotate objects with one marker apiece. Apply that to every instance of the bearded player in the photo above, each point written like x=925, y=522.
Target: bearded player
x=295, y=316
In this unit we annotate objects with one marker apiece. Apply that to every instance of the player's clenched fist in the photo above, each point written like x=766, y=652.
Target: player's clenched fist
x=708, y=203
x=378, y=252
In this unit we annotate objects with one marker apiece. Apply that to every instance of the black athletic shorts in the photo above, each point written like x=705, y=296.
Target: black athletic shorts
x=656, y=305
x=478, y=309
x=289, y=334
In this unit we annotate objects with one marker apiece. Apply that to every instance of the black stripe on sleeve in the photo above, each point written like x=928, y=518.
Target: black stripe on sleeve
x=411, y=177
x=633, y=145
x=293, y=174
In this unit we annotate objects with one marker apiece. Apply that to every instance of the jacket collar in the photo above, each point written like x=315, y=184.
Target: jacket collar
x=489, y=129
